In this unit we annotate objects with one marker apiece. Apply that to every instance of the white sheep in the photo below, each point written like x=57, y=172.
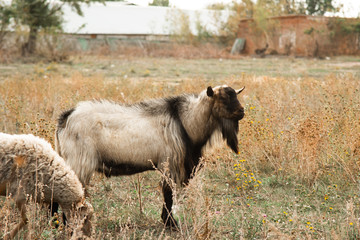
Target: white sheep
x=31, y=170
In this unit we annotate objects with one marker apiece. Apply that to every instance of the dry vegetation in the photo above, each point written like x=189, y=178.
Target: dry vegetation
x=297, y=173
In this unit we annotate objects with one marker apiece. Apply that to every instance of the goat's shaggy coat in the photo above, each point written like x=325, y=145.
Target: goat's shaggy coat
x=122, y=139
x=31, y=170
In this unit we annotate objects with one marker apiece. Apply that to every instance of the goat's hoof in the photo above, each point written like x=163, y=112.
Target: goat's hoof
x=172, y=224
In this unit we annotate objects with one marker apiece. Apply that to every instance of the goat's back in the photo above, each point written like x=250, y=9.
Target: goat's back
x=101, y=135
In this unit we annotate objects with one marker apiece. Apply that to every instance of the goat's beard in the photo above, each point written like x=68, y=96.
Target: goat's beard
x=229, y=129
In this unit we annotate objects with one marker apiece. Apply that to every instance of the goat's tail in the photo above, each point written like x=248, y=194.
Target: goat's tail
x=62, y=120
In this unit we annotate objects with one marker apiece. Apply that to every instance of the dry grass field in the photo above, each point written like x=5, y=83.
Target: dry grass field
x=296, y=175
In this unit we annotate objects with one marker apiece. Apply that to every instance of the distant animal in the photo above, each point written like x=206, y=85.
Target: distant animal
x=261, y=51
x=168, y=133
x=31, y=170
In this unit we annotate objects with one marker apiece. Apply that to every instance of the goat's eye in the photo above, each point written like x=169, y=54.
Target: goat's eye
x=231, y=94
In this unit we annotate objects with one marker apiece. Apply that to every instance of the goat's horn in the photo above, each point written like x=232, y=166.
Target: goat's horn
x=240, y=90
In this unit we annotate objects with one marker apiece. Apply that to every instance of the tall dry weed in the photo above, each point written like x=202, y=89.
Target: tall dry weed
x=305, y=130
x=198, y=208
x=304, y=127
x=167, y=50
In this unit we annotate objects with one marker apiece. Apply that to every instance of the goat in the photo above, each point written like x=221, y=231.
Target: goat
x=168, y=133
x=261, y=51
x=31, y=170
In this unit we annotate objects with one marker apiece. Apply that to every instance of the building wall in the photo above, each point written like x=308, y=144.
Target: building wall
x=298, y=35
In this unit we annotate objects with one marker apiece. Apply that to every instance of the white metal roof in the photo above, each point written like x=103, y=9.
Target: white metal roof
x=120, y=18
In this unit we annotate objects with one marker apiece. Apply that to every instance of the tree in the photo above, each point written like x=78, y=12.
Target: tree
x=41, y=14
x=6, y=14
x=217, y=6
x=164, y=3
x=319, y=7
x=240, y=10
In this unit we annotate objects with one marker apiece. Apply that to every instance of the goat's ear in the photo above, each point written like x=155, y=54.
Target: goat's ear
x=239, y=90
x=210, y=91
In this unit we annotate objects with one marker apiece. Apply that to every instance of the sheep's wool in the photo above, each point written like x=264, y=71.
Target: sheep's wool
x=29, y=166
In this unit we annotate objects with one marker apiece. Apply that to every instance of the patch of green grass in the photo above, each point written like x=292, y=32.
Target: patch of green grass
x=174, y=69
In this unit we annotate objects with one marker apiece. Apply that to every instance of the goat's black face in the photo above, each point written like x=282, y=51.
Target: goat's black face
x=229, y=111
x=226, y=104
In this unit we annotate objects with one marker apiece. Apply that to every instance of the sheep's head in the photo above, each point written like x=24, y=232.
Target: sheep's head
x=226, y=104
x=228, y=110
x=82, y=217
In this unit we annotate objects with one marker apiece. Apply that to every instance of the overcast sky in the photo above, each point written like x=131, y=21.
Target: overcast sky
x=351, y=7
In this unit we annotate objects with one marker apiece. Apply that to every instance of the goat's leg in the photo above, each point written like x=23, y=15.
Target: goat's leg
x=166, y=214
x=21, y=206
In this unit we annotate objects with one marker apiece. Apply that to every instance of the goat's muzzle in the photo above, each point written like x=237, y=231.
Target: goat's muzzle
x=239, y=114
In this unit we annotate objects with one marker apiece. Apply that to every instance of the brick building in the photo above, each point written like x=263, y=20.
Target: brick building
x=301, y=35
